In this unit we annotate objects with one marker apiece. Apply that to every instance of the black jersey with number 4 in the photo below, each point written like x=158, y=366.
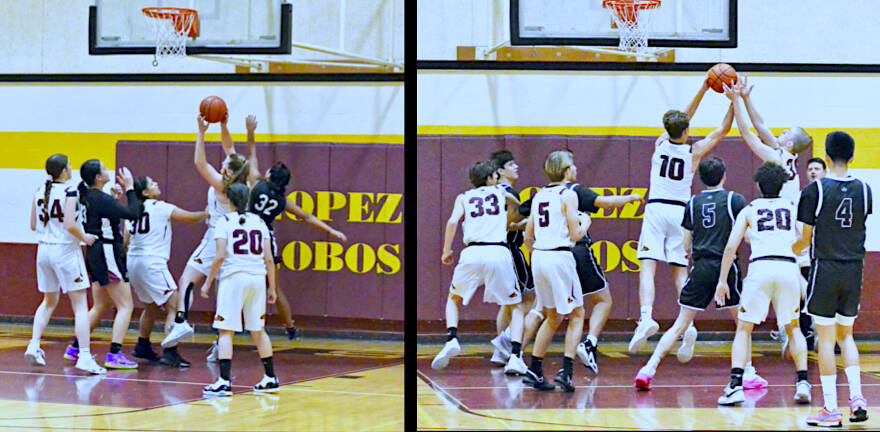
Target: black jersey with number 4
x=837, y=209
x=710, y=216
x=267, y=202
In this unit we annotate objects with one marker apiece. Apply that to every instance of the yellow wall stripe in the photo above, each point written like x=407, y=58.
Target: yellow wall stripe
x=29, y=150
x=867, y=139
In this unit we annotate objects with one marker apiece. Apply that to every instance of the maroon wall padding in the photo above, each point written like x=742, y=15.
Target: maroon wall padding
x=619, y=163
x=372, y=169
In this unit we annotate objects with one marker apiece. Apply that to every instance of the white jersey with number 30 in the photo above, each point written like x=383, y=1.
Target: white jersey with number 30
x=551, y=227
x=485, y=215
x=671, y=172
x=771, y=229
x=151, y=234
x=244, y=243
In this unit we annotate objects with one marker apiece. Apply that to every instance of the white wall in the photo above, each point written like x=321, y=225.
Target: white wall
x=51, y=36
x=770, y=31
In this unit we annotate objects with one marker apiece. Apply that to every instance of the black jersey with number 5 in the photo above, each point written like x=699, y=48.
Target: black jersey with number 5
x=837, y=209
x=267, y=202
x=710, y=216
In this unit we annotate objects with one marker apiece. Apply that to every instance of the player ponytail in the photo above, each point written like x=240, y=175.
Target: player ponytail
x=279, y=176
x=238, y=195
x=55, y=166
x=239, y=168
x=140, y=185
x=88, y=171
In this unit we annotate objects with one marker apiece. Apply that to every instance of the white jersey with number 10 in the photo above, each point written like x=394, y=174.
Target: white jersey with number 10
x=671, y=172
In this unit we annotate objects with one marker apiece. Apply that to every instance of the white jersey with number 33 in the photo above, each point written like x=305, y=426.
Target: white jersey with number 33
x=551, y=227
x=772, y=229
x=244, y=243
x=671, y=172
x=485, y=215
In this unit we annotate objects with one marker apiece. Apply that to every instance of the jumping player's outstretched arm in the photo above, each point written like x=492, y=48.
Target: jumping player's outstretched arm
x=616, y=201
x=690, y=110
x=313, y=221
x=451, y=227
x=758, y=148
x=200, y=160
x=722, y=290
x=763, y=131
x=218, y=261
x=225, y=137
x=576, y=231
x=705, y=145
x=180, y=214
x=514, y=219
x=250, y=122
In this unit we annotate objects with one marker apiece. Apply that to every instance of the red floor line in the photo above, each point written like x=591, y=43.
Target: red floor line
x=112, y=378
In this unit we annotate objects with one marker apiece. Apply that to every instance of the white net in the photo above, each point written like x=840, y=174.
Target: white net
x=633, y=18
x=171, y=27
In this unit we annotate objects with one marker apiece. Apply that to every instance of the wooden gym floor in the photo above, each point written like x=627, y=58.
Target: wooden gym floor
x=472, y=394
x=326, y=385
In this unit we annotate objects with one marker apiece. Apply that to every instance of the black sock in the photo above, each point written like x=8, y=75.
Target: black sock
x=75, y=343
x=736, y=377
x=537, y=365
x=567, y=365
x=115, y=347
x=171, y=349
x=144, y=341
x=225, y=368
x=180, y=317
x=802, y=375
x=516, y=347
x=189, y=289
x=267, y=365
x=451, y=333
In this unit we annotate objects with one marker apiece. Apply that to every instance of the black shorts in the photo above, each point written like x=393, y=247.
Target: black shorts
x=805, y=272
x=835, y=288
x=96, y=262
x=588, y=269
x=524, y=278
x=275, y=256
x=699, y=289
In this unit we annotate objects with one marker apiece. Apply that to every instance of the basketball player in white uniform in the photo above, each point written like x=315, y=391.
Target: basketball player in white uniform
x=57, y=219
x=672, y=171
x=149, y=248
x=235, y=169
x=769, y=224
x=551, y=231
x=783, y=150
x=244, y=262
x=485, y=259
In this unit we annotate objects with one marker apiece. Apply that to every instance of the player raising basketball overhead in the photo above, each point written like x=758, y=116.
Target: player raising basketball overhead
x=235, y=169
x=772, y=278
x=833, y=210
x=243, y=261
x=672, y=172
x=149, y=247
x=484, y=212
x=60, y=264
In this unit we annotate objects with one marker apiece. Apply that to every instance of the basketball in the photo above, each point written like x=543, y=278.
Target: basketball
x=721, y=73
x=213, y=109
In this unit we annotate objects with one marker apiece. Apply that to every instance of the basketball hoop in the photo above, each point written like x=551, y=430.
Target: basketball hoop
x=172, y=26
x=633, y=18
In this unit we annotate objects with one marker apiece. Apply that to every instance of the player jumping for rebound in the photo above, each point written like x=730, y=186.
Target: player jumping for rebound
x=833, y=210
x=672, y=171
x=485, y=259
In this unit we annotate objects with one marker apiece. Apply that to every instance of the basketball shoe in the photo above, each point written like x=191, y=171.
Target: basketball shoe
x=221, y=387
x=826, y=418
x=732, y=395
x=71, y=353
x=644, y=330
x=802, y=392
x=178, y=331
x=586, y=352
x=688, y=341
x=88, y=364
x=267, y=385
x=644, y=378
x=858, y=409
x=35, y=355
x=450, y=350
x=119, y=361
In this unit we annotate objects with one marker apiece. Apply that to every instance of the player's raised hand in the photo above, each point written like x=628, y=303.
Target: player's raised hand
x=116, y=191
x=224, y=120
x=203, y=124
x=123, y=175
x=338, y=235
x=204, y=290
x=89, y=239
x=730, y=92
x=722, y=292
x=745, y=88
x=705, y=86
x=250, y=122
x=635, y=197
x=447, y=258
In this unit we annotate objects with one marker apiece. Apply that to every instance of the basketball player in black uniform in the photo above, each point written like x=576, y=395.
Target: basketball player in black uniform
x=816, y=169
x=833, y=210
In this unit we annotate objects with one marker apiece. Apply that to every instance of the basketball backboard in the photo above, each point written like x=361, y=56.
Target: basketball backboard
x=225, y=26
x=677, y=23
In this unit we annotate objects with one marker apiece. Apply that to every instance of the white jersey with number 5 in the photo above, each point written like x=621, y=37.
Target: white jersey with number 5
x=485, y=215
x=50, y=222
x=244, y=243
x=671, y=172
x=791, y=189
x=551, y=227
x=151, y=234
x=771, y=229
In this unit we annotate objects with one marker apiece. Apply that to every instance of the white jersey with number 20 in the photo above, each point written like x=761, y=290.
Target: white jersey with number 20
x=244, y=243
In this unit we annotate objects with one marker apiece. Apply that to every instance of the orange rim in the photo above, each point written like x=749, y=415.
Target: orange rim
x=179, y=16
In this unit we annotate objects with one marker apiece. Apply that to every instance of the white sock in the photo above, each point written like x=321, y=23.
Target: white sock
x=829, y=391
x=854, y=377
x=649, y=369
x=646, y=313
x=749, y=370
x=34, y=343
x=593, y=340
x=84, y=352
x=506, y=332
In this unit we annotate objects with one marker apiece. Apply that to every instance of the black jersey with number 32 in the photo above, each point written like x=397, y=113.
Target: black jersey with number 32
x=837, y=209
x=710, y=216
x=267, y=202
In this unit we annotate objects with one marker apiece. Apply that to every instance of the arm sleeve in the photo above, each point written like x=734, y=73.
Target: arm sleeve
x=111, y=208
x=525, y=208
x=870, y=199
x=686, y=220
x=70, y=192
x=738, y=202
x=166, y=208
x=586, y=199
x=807, y=204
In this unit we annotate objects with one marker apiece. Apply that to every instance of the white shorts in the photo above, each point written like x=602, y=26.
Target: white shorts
x=203, y=257
x=771, y=281
x=61, y=266
x=556, y=281
x=488, y=265
x=241, y=294
x=150, y=278
x=662, y=236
